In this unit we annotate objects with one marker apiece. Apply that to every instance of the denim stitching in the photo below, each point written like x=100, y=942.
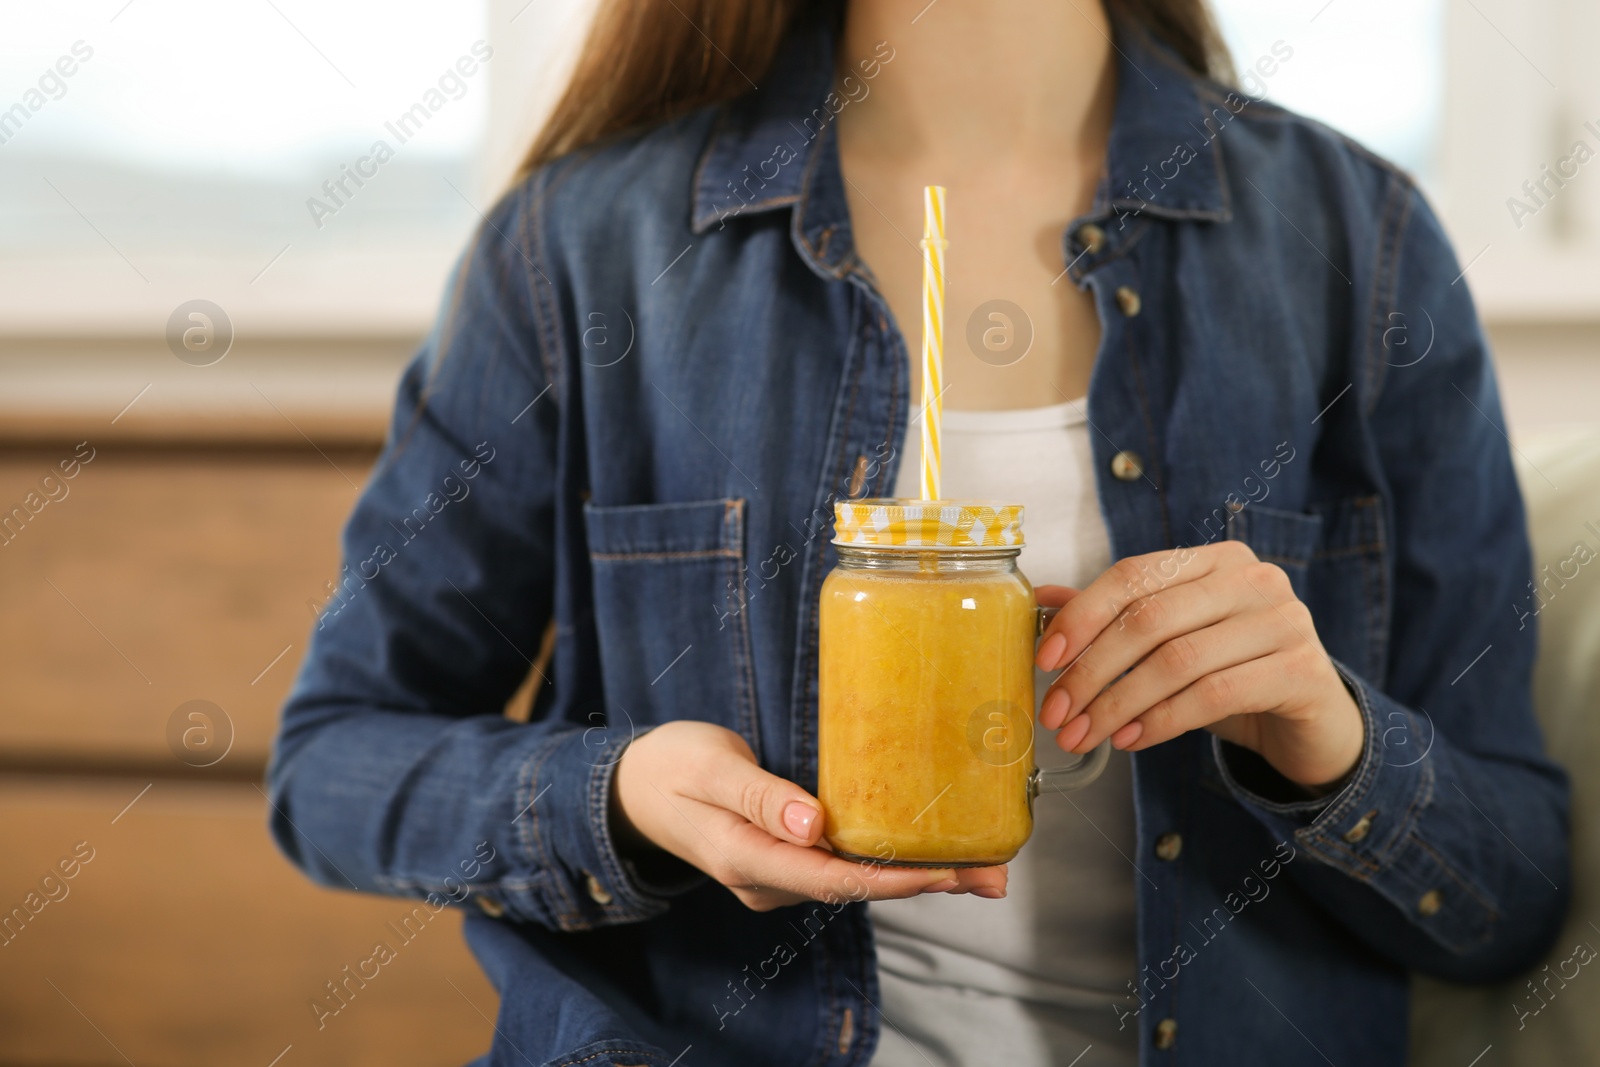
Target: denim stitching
x=534, y=852
x=1451, y=873
x=802, y=738
x=1347, y=551
x=1391, y=240
x=797, y=220
x=1335, y=811
x=697, y=223
x=544, y=315
x=895, y=367
x=403, y=884
x=607, y=1052
x=1150, y=435
x=701, y=223
x=1185, y=792
x=1376, y=861
x=1355, y=796
x=1291, y=808
x=626, y=903
x=1115, y=250
x=1420, y=799
x=704, y=553
x=570, y=918
x=1204, y=92
x=1378, y=594
x=749, y=712
x=1370, y=367
x=825, y=1039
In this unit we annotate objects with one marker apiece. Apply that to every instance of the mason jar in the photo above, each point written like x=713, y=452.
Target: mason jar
x=925, y=688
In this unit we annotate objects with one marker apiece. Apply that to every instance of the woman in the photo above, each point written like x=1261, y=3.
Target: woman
x=1254, y=380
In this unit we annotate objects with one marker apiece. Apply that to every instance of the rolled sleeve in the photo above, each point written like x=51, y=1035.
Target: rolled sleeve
x=1446, y=852
x=395, y=769
x=596, y=885
x=1374, y=829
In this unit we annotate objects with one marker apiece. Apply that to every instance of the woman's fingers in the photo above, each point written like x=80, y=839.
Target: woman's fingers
x=1168, y=669
x=695, y=790
x=1052, y=597
x=980, y=881
x=1314, y=749
x=730, y=778
x=784, y=816
x=1245, y=688
x=1212, y=638
x=767, y=872
x=1082, y=619
x=1140, y=631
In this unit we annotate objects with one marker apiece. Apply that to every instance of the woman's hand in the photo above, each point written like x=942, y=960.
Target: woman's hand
x=1208, y=637
x=695, y=790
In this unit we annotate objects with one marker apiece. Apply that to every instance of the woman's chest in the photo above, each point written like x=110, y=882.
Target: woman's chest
x=1018, y=332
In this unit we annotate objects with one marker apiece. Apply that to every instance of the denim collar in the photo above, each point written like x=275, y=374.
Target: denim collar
x=775, y=147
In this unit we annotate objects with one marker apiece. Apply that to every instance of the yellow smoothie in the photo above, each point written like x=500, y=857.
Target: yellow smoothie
x=925, y=728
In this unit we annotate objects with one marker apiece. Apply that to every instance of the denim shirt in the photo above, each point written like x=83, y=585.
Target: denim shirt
x=659, y=364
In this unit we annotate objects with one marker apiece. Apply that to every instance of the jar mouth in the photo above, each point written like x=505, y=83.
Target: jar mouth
x=927, y=525
x=908, y=502
x=856, y=550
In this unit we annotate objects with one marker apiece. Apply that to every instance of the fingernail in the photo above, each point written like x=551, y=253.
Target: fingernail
x=1072, y=734
x=1127, y=735
x=944, y=885
x=990, y=892
x=1053, y=712
x=798, y=817
x=1051, y=651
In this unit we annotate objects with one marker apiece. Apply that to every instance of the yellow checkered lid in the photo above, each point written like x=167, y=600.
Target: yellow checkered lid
x=886, y=523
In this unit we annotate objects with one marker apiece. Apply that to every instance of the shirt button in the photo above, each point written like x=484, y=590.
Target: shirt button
x=1166, y=1034
x=492, y=908
x=1127, y=466
x=1128, y=300
x=1168, y=846
x=1092, y=238
x=1359, y=831
x=1430, y=903
x=597, y=892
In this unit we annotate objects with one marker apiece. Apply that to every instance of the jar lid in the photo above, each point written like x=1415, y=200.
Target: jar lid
x=889, y=523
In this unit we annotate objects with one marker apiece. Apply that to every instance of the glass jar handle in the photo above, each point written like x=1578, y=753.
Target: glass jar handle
x=1088, y=768
x=1066, y=779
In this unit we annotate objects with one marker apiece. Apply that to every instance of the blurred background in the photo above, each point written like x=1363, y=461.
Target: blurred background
x=202, y=318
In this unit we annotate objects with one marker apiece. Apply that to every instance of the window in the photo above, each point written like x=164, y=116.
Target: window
x=1494, y=105
x=1373, y=69
x=1521, y=136
x=154, y=152
x=256, y=154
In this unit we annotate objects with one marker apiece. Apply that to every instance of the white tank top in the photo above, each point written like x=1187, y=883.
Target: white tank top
x=1030, y=980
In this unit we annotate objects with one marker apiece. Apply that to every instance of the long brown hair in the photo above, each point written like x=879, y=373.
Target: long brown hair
x=648, y=62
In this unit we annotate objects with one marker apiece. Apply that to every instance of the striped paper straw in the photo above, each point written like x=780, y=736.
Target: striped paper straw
x=933, y=246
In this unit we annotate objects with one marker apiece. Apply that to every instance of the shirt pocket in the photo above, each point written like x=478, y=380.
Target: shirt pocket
x=1335, y=556
x=668, y=602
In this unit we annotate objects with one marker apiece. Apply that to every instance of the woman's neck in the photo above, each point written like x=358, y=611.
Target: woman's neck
x=973, y=82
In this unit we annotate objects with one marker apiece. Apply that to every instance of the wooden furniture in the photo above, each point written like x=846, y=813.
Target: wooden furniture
x=178, y=565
